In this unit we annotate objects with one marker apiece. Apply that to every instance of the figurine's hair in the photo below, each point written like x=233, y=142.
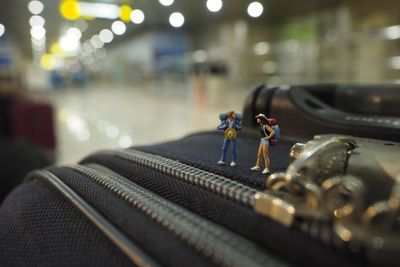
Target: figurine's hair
x=263, y=120
x=231, y=113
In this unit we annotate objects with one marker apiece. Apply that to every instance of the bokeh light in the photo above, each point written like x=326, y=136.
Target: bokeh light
x=166, y=2
x=125, y=141
x=47, y=62
x=106, y=36
x=74, y=33
x=96, y=42
x=2, y=29
x=176, y=19
x=69, y=9
x=69, y=43
x=125, y=13
x=38, y=32
x=118, y=27
x=39, y=42
x=214, y=5
x=137, y=16
x=35, y=7
x=255, y=9
x=37, y=21
x=261, y=48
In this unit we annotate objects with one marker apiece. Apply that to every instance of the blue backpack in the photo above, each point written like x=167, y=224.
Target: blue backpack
x=277, y=136
x=238, y=118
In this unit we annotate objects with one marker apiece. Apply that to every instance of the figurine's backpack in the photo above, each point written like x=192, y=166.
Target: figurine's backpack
x=238, y=118
x=274, y=125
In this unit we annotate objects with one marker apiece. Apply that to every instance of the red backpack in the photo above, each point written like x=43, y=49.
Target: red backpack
x=274, y=125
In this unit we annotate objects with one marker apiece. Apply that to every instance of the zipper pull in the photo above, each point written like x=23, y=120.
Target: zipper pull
x=301, y=190
x=348, y=185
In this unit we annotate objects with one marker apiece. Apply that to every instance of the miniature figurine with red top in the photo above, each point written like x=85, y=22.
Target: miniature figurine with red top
x=270, y=134
x=230, y=124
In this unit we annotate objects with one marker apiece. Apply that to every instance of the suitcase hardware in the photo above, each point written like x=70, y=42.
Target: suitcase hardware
x=331, y=180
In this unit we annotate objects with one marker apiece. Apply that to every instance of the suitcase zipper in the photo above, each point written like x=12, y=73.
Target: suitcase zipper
x=270, y=206
x=212, y=241
x=261, y=203
x=131, y=250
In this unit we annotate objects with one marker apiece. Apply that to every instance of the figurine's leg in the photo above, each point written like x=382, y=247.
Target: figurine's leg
x=259, y=157
x=234, y=155
x=224, y=149
x=265, y=150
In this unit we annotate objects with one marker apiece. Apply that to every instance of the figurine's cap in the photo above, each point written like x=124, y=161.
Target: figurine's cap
x=261, y=116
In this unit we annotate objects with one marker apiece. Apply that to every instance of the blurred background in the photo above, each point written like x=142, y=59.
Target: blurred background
x=79, y=76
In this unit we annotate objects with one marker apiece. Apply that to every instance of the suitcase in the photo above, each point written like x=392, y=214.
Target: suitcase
x=6, y=101
x=33, y=121
x=172, y=205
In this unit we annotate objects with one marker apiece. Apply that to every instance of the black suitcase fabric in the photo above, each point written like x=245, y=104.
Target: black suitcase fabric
x=39, y=226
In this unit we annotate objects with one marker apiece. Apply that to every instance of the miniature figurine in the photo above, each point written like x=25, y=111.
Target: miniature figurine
x=230, y=124
x=270, y=136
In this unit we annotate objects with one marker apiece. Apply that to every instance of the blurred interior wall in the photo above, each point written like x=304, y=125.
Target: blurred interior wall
x=350, y=41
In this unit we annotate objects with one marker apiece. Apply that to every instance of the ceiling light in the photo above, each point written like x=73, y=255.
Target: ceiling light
x=2, y=29
x=35, y=7
x=38, y=32
x=39, y=42
x=36, y=20
x=99, y=10
x=392, y=32
x=96, y=42
x=137, y=16
x=74, y=33
x=47, y=62
x=70, y=9
x=176, y=19
x=56, y=49
x=214, y=5
x=166, y=2
x=118, y=27
x=38, y=48
x=261, y=48
x=106, y=36
x=125, y=13
x=68, y=43
x=255, y=9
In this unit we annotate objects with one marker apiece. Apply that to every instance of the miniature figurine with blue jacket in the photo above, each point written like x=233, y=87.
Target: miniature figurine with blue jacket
x=230, y=124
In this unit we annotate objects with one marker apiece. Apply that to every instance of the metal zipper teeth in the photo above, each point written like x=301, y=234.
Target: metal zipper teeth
x=211, y=182
x=131, y=250
x=212, y=241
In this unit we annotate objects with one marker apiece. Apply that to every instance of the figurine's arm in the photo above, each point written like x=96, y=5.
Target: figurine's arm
x=222, y=126
x=271, y=132
x=238, y=126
